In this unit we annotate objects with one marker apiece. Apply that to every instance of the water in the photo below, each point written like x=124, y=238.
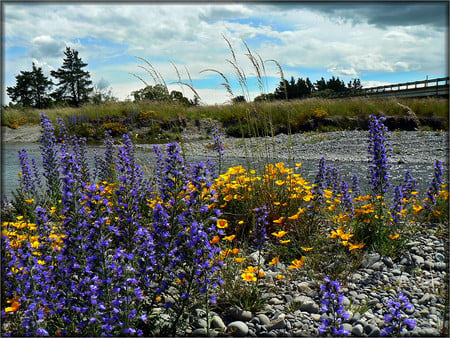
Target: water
x=423, y=173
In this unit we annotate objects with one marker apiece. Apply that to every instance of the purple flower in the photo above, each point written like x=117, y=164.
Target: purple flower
x=395, y=320
x=333, y=309
x=379, y=150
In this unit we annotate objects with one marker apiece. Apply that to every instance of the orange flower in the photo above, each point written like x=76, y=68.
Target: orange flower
x=279, y=277
x=14, y=304
x=249, y=277
x=394, y=236
x=275, y=260
x=306, y=249
x=297, y=263
x=229, y=238
x=279, y=234
x=222, y=223
x=239, y=259
x=346, y=237
x=285, y=241
x=215, y=240
x=250, y=269
x=356, y=246
x=279, y=220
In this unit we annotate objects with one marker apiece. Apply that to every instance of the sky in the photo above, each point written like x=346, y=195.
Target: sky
x=377, y=42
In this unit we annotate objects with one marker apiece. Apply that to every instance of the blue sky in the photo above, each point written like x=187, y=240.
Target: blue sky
x=377, y=42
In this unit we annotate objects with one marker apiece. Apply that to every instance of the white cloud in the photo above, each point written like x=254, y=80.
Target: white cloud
x=108, y=35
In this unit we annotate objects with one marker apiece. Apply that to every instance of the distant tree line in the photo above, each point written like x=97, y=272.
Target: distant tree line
x=73, y=87
x=303, y=88
x=160, y=92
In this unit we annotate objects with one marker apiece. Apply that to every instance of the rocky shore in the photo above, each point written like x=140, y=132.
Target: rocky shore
x=294, y=310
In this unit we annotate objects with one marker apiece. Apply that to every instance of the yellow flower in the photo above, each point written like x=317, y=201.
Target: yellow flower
x=279, y=276
x=222, y=223
x=294, y=216
x=346, y=237
x=241, y=222
x=417, y=208
x=229, y=238
x=284, y=241
x=298, y=165
x=158, y=299
x=345, y=243
x=275, y=260
x=279, y=234
x=436, y=212
x=30, y=200
x=250, y=269
x=249, y=277
x=19, y=218
x=41, y=262
x=394, y=236
x=297, y=263
x=337, y=233
x=14, y=304
x=306, y=249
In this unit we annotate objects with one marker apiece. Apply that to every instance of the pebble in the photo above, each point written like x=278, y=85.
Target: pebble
x=366, y=290
x=237, y=329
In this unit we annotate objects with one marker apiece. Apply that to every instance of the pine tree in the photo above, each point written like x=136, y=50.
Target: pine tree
x=31, y=88
x=74, y=82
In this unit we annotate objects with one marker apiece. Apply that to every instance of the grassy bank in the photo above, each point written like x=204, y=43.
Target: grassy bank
x=242, y=119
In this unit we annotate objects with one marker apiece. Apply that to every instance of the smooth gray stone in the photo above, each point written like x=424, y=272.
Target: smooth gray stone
x=377, y=266
x=429, y=264
x=357, y=330
x=370, y=259
x=418, y=260
x=242, y=315
x=315, y=317
x=425, y=298
x=276, y=324
x=388, y=261
x=237, y=329
x=263, y=319
x=440, y=257
x=310, y=307
x=217, y=323
x=347, y=327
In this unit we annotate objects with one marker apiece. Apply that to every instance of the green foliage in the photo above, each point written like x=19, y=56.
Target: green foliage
x=74, y=82
x=31, y=89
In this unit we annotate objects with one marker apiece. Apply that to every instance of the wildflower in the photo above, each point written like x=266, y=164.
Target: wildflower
x=297, y=263
x=249, y=277
x=284, y=241
x=229, y=238
x=352, y=247
x=306, y=249
x=279, y=220
x=222, y=223
x=378, y=174
x=215, y=240
x=279, y=234
x=275, y=260
x=239, y=259
x=434, y=187
x=394, y=236
x=14, y=304
x=280, y=277
x=333, y=309
x=395, y=320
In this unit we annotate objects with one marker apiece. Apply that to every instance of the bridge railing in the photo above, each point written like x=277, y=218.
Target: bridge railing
x=392, y=88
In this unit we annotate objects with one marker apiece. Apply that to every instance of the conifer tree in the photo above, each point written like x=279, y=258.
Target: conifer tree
x=74, y=82
x=31, y=88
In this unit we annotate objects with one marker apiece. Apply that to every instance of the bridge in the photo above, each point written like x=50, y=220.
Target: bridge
x=426, y=88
